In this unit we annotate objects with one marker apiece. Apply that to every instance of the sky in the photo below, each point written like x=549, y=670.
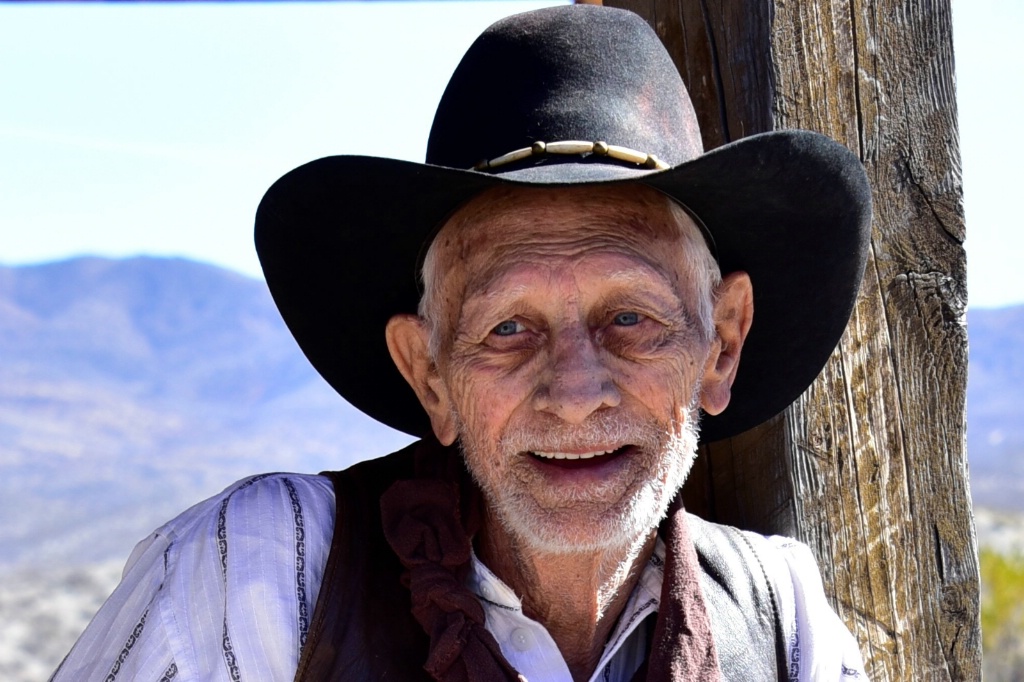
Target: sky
x=156, y=128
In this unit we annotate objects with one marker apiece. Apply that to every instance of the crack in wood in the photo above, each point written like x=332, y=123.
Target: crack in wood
x=921, y=194
x=861, y=143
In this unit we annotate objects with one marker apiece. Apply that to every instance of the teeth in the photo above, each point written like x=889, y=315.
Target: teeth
x=571, y=455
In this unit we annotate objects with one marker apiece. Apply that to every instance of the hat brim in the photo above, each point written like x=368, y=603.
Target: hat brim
x=340, y=240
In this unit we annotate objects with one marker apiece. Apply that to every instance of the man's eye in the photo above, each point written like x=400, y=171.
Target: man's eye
x=508, y=328
x=626, y=319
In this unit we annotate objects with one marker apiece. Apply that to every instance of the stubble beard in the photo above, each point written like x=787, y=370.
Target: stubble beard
x=614, y=514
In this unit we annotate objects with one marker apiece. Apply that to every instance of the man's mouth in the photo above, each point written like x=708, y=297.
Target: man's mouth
x=575, y=459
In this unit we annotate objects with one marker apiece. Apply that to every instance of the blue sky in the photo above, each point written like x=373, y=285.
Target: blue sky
x=155, y=129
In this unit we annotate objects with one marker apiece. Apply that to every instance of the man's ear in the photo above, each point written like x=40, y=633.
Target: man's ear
x=409, y=344
x=733, y=313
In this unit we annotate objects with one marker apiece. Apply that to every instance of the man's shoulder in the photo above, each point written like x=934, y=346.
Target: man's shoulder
x=263, y=508
x=291, y=500
x=772, y=552
x=731, y=556
x=295, y=496
x=736, y=560
x=247, y=495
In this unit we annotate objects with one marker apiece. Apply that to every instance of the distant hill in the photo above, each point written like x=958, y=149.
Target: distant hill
x=130, y=389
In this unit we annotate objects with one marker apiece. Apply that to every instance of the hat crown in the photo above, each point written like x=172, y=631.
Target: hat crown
x=578, y=72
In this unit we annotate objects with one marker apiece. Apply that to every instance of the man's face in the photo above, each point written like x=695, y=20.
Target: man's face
x=573, y=358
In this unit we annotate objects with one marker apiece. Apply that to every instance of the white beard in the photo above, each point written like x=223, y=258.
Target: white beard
x=614, y=514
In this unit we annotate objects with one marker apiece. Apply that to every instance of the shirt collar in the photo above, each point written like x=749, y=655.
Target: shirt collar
x=643, y=601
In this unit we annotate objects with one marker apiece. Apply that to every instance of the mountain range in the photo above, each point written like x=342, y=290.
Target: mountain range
x=130, y=389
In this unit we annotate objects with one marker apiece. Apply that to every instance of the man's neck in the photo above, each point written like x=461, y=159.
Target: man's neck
x=578, y=597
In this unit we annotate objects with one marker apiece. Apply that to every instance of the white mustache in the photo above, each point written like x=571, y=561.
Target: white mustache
x=597, y=433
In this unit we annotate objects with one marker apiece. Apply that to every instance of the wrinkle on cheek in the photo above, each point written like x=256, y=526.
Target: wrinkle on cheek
x=647, y=348
x=666, y=384
x=483, y=391
x=680, y=346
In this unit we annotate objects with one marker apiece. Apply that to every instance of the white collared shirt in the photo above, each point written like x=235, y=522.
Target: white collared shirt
x=225, y=591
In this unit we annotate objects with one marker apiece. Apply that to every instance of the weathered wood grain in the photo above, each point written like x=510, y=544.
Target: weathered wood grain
x=869, y=465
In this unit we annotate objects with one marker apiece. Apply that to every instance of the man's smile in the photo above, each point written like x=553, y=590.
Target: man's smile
x=579, y=460
x=575, y=455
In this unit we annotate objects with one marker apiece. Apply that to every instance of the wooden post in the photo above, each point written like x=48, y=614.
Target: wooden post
x=869, y=466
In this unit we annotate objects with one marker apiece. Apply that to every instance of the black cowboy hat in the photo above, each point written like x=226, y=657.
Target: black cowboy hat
x=562, y=96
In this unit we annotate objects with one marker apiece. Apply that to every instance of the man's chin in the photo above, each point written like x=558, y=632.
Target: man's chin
x=585, y=527
x=547, y=539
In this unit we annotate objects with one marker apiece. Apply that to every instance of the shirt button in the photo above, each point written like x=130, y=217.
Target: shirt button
x=522, y=639
x=486, y=591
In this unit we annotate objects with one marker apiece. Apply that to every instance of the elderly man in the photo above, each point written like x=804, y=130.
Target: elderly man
x=573, y=331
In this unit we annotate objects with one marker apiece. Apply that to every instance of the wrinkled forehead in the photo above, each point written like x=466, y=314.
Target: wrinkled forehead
x=566, y=220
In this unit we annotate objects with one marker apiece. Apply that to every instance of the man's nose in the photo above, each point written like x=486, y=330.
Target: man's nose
x=576, y=382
